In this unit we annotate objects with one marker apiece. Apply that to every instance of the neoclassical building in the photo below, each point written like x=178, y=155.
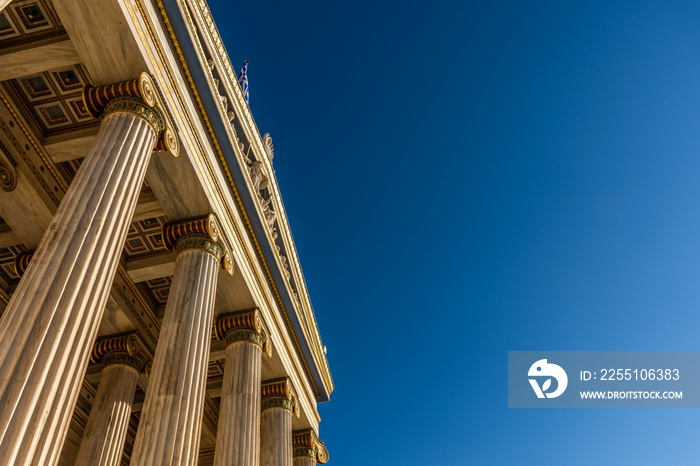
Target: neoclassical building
x=153, y=308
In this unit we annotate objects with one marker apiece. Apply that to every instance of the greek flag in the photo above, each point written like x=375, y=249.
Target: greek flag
x=243, y=81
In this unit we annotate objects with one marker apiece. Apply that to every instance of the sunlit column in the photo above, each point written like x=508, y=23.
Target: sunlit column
x=170, y=425
x=278, y=404
x=51, y=321
x=308, y=450
x=107, y=426
x=238, y=433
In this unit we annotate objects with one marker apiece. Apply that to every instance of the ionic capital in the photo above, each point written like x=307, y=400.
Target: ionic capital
x=141, y=97
x=22, y=261
x=8, y=173
x=305, y=443
x=243, y=326
x=202, y=233
x=279, y=393
x=122, y=348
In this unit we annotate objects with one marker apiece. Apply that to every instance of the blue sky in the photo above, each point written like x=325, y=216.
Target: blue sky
x=465, y=179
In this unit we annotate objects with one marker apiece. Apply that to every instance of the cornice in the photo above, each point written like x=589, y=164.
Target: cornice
x=205, y=140
x=299, y=297
x=181, y=15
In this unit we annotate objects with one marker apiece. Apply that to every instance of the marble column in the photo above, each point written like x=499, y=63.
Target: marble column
x=107, y=426
x=170, y=425
x=51, y=322
x=238, y=433
x=278, y=404
x=3, y=4
x=308, y=450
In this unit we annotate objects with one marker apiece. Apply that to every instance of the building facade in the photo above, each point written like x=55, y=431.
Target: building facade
x=154, y=311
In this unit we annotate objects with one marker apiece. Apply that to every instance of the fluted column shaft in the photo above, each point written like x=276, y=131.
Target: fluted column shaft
x=170, y=425
x=276, y=437
x=52, y=319
x=304, y=461
x=238, y=434
x=108, y=423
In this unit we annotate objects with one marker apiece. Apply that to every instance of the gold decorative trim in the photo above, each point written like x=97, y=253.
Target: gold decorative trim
x=279, y=393
x=137, y=107
x=249, y=319
x=49, y=164
x=140, y=96
x=122, y=348
x=245, y=335
x=243, y=326
x=206, y=453
x=22, y=261
x=8, y=173
x=79, y=419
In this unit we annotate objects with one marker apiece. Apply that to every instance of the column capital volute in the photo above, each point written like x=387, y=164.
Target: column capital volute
x=141, y=96
x=244, y=325
x=122, y=348
x=203, y=233
x=8, y=172
x=305, y=443
x=22, y=261
x=279, y=393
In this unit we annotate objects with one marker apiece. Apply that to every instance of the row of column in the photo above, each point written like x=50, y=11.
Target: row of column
x=49, y=326
x=255, y=422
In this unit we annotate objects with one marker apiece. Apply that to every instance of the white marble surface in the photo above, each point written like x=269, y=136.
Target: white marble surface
x=304, y=461
x=276, y=437
x=50, y=324
x=108, y=423
x=238, y=434
x=170, y=424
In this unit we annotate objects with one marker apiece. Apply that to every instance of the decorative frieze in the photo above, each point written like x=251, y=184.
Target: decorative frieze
x=202, y=233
